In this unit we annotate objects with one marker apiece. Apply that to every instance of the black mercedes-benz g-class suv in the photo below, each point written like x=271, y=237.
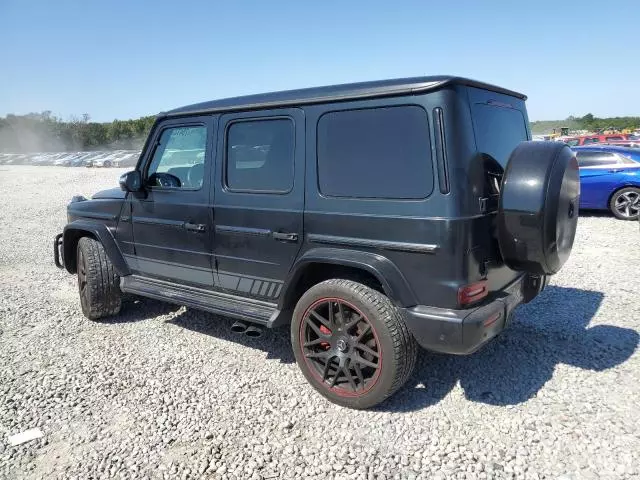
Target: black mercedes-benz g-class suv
x=372, y=217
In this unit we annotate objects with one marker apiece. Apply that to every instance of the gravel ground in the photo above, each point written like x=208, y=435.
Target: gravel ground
x=167, y=392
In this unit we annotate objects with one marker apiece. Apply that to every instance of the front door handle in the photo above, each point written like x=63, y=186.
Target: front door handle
x=195, y=227
x=285, y=237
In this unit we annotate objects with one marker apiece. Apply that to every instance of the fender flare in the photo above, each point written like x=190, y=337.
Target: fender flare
x=394, y=284
x=82, y=228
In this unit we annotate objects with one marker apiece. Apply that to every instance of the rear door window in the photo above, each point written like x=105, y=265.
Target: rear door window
x=498, y=130
x=596, y=159
x=260, y=155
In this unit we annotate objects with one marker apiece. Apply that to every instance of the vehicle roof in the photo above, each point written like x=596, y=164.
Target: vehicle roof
x=591, y=135
x=336, y=93
x=612, y=148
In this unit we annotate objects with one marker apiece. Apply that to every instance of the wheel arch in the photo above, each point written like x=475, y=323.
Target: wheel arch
x=77, y=229
x=366, y=267
x=617, y=188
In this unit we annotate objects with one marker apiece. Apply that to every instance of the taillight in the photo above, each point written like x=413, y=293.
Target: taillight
x=472, y=293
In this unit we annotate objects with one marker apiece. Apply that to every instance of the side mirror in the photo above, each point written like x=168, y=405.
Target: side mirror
x=131, y=181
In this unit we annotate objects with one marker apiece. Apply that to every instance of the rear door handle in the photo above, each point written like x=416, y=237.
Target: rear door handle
x=195, y=227
x=285, y=237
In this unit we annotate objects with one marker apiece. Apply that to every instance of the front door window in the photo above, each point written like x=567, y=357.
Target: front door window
x=178, y=161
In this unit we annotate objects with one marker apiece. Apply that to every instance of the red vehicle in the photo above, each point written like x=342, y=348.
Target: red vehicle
x=589, y=139
x=630, y=143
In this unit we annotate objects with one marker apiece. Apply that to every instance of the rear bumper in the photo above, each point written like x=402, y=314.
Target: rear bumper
x=462, y=332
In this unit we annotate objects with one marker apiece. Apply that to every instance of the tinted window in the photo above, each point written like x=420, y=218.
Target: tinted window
x=614, y=138
x=260, y=155
x=572, y=142
x=178, y=161
x=627, y=159
x=375, y=153
x=498, y=130
x=590, y=140
x=594, y=159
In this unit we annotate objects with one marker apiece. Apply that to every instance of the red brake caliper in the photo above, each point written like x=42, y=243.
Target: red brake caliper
x=325, y=331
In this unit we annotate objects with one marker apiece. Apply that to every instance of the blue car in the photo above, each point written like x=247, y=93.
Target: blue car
x=610, y=179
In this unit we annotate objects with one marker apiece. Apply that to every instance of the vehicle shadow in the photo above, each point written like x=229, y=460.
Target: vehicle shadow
x=512, y=369
x=137, y=309
x=515, y=366
x=276, y=343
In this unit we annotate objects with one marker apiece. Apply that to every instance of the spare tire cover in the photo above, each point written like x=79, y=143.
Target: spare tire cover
x=538, y=212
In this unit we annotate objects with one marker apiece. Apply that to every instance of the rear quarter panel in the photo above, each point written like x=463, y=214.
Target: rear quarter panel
x=598, y=184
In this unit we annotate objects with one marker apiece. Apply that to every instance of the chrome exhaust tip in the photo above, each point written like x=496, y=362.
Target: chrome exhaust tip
x=253, y=332
x=239, y=327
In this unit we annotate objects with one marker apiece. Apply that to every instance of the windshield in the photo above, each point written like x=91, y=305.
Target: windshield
x=498, y=130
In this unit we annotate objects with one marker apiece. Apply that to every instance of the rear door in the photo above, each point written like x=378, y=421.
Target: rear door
x=171, y=218
x=597, y=171
x=500, y=123
x=259, y=200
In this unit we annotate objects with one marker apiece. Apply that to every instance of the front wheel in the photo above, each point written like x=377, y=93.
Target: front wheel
x=625, y=203
x=351, y=343
x=98, y=282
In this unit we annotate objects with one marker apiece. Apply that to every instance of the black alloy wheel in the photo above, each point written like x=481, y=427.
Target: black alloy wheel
x=340, y=346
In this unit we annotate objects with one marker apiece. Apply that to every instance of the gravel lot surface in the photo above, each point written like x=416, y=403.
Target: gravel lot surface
x=167, y=392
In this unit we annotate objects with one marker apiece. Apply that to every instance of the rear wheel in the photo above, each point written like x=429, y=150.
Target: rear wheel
x=351, y=343
x=98, y=282
x=625, y=203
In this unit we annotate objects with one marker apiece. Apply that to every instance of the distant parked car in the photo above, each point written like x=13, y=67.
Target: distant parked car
x=624, y=143
x=589, y=139
x=80, y=159
x=610, y=180
x=127, y=159
x=62, y=160
x=107, y=159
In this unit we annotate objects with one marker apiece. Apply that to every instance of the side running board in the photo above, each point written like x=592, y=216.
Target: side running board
x=256, y=311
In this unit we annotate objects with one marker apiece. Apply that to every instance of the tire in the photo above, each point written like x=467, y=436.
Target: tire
x=98, y=282
x=625, y=203
x=378, y=351
x=107, y=164
x=538, y=210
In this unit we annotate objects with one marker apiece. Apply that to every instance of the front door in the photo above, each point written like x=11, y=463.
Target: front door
x=172, y=217
x=259, y=200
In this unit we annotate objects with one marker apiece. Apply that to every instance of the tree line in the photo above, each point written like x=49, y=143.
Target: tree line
x=588, y=122
x=44, y=132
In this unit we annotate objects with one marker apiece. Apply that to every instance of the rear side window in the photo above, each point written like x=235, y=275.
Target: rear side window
x=498, y=130
x=595, y=159
x=375, y=153
x=260, y=156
